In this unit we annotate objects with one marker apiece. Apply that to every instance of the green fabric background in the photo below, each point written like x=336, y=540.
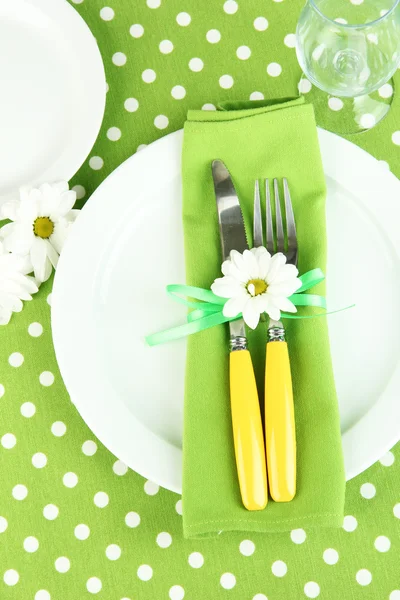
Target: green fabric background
x=263, y=141
x=376, y=515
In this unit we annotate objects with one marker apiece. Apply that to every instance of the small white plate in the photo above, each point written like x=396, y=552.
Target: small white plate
x=131, y=395
x=52, y=92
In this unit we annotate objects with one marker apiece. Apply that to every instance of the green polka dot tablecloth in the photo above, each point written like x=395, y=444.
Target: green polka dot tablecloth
x=75, y=522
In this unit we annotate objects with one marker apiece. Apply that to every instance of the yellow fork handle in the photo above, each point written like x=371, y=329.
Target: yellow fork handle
x=280, y=434
x=247, y=432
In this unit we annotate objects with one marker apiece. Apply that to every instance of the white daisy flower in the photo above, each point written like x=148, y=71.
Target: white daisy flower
x=14, y=285
x=256, y=282
x=41, y=220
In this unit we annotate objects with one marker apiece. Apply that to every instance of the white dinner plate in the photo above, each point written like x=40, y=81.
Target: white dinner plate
x=52, y=92
x=127, y=245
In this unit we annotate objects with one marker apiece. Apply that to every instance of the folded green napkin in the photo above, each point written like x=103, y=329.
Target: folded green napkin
x=256, y=140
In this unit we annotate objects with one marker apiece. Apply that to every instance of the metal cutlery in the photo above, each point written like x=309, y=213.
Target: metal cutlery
x=280, y=435
x=246, y=417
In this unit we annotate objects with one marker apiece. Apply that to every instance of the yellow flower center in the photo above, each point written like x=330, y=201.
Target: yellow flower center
x=256, y=287
x=43, y=227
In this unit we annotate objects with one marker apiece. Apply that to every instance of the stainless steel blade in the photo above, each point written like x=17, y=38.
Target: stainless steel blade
x=232, y=233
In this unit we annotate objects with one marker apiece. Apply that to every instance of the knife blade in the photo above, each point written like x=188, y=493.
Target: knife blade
x=245, y=408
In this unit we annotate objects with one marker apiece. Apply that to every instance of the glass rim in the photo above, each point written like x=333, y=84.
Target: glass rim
x=355, y=25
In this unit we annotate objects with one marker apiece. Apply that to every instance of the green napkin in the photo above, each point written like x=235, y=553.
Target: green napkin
x=256, y=140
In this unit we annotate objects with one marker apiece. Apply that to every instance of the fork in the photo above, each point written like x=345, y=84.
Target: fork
x=280, y=435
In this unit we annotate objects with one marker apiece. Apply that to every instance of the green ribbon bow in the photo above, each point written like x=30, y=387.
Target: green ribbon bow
x=207, y=311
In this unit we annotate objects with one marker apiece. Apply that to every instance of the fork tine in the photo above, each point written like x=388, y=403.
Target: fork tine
x=280, y=238
x=290, y=225
x=257, y=222
x=270, y=242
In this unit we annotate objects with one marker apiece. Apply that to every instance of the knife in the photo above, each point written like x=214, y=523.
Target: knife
x=245, y=408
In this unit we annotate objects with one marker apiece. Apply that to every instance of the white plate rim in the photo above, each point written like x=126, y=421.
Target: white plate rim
x=152, y=457
x=84, y=42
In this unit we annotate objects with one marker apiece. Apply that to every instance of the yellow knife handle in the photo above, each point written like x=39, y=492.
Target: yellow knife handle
x=247, y=432
x=280, y=434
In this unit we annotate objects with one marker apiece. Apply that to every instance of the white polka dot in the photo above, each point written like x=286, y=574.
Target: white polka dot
x=178, y=507
x=363, y=577
x=141, y=147
x=161, y=122
x=396, y=510
x=387, y=459
x=145, y=572
x=243, y=52
x=46, y=378
x=42, y=595
x=226, y=82
x=50, y=512
x=196, y=560
x=58, y=428
x=386, y=91
x=367, y=121
x=298, y=536
x=260, y=23
x=101, y=499
x=183, y=19
x=3, y=524
x=213, y=36
x=28, y=409
x=166, y=46
x=151, y=488
x=256, y=96
x=11, y=577
x=367, y=490
x=164, y=539
x=36, y=329
x=279, y=568
x=335, y=103
x=20, y=491
x=176, y=592
x=384, y=12
x=8, y=441
x=196, y=64
x=395, y=595
x=228, y=581
x=260, y=597
x=49, y=298
x=311, y=589
x=178, y=92
x=341, y=21
x=396, y=138
x=107, y=88
x=119, y=59
x=107, y=13
x=70, y=480
x=385, y=165
x=120, y=468
x=89, y=448
x=290, y=40
x=330, y=556
x=96, y=163
x=82, y=532
x=131, y=104
x=80, y=193
x=274, y=69
x=349, y=523
x=114, y=134
x=357, y=1
x=62, y=564
x=136, y=30
x=132, y=519
x=31, y=544
x=208, y=106
x=113, y=552
x=16, y=359
x=230, y=7
x=153, y=3
x=247, y=547
x=2, y=390
x=382, y=543
x=149, y=75
x=304, y=86
x=93, y=585
x=39, y=460
x=77, y=1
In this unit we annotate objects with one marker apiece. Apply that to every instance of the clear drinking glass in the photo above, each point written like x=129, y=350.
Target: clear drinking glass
x=349, y=50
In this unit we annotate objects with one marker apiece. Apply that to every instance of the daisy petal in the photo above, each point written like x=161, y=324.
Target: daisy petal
x=251, y=313
x=66, y=203
x=234, y=306
x=52, y=254
x=229, y=268
x=226, y=287
x=250, y=265
x=273, y=312
x=39, y=259
x=9, y=211
x=264, y=262
x=276, y=263
x=286, y=273
x=5, y=315
x=237, y=259
x=59, y=235
x=284, y=304
x=287, y=288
